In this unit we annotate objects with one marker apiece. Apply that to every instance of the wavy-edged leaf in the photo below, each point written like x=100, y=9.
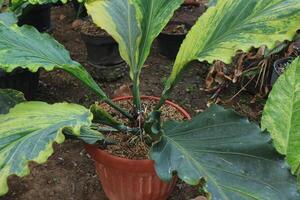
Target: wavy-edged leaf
x=235, y=158
x=9, y=98
x=134, y=24
x=281, y=116
x=26, y=47
x=8, y=18
x=234, y=25
x=28, y=131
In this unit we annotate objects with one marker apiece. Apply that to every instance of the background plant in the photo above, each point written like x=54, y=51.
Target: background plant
x=232, y=155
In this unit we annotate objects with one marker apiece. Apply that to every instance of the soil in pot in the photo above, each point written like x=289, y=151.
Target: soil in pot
x=21, y=80
x=38, y=16
x=170, y=39
x=128, y=145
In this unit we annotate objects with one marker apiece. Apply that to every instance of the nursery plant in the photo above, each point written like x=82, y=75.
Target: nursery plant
x=219, y=149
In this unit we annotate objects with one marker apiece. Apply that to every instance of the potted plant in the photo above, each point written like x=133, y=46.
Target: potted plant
x=102, y=52
x=230, y=157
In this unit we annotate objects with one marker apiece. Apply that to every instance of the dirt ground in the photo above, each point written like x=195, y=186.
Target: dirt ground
x=69, y=174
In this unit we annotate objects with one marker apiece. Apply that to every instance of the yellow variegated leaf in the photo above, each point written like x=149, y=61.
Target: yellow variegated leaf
x=134, y=24
x=28, y=131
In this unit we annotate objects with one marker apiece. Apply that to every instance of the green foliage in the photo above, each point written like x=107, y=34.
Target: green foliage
x=26, y=47
x=17, y=6
x=229, y=152
x=134, y=25
x=28, y=132
x=281, y=116
x=9, y=98
x=236, y=159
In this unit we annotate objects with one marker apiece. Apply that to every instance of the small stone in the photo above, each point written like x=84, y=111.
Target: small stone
x=77, y=24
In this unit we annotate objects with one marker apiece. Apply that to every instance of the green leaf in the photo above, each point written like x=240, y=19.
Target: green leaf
x=281, y=116
x=87, y=135
x=28, y=132
x=9, y=98
x=134, y=24
x=103, y=117
x=8, y=18
x=17, y=6
x=212, y=3
x=27, y=48
x=234, y=25
x=237, y=161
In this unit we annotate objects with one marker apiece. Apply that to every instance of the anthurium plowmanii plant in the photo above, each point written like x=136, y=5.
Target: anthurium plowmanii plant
x=236, y=158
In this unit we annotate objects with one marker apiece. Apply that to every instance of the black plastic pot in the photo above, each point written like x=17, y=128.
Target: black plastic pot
x=38, y=16
x=21, y=80
x=279, y=67
x=80, y=9
x=110, y=72
x=102, y=50
x=169, y=43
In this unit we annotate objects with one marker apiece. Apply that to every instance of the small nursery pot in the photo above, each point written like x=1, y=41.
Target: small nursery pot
x=101, y=50
x=38, y=16
x=110, y=72
x=169, y=43
x=125, y=179
x=22, y=80
x=278, y=68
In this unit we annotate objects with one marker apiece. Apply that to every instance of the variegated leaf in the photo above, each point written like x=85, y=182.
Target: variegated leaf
x=134, y=24
x=281, y=116
x=28, y=131
x=26, y=47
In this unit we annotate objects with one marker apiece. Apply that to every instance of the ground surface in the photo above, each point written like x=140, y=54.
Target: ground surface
x=69, y=174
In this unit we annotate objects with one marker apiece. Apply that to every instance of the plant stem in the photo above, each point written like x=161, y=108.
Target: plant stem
x=160, y=103
x=136, y=95
x=118, y=108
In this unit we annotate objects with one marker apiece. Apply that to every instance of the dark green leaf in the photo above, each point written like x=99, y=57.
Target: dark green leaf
x=237, y=160
x=9, y=98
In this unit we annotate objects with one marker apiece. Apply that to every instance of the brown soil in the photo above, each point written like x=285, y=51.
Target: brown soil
x=176, y=29
x=132, y=146
x=89, y=28
x=69, y=174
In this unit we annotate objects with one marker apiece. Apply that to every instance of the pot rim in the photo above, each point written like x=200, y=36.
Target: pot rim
x=116, y=162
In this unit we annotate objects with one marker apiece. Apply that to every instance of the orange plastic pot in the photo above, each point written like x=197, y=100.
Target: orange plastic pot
x=125, y=179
